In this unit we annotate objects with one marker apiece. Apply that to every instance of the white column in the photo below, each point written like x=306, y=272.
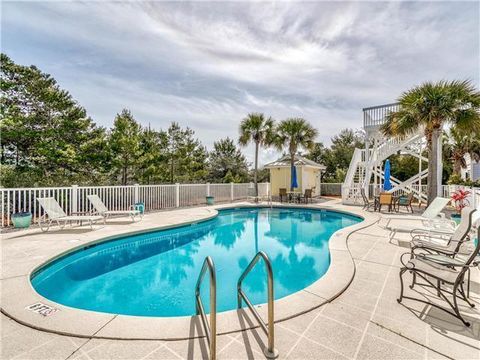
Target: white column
x=439, y=167
x=177, y=195
x=74, y=199
x=136, y=193
x=231, y=191
x=208, y=189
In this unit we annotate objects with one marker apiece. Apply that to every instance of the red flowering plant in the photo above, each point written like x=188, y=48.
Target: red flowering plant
x=459, y=197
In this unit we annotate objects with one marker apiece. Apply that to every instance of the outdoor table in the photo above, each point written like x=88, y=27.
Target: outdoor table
x=294, y=195
x=376, y=199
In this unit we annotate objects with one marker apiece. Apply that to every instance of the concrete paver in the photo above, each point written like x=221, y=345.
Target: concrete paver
x=364, y=322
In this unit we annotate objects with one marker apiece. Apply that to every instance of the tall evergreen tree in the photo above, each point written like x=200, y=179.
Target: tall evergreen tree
x=125, y=145
x=44, y=131
x=185, y=155
x=227, y=163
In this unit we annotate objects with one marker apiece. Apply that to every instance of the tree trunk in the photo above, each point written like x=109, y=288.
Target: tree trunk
x=292, y=164
x=255, y=175
x=457, y=167
x=124, y=176
x=434, y=165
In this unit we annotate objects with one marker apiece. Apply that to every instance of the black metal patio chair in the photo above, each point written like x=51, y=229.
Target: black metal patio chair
x=441, y=242
x=366, y=202
x=441, y=270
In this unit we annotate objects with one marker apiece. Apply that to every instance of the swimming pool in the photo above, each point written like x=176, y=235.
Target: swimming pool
x=154, y=273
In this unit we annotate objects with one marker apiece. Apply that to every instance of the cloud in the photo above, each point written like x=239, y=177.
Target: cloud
x=207, y=64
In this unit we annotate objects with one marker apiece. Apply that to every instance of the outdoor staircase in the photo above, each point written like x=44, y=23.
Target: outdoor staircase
x=367, y=163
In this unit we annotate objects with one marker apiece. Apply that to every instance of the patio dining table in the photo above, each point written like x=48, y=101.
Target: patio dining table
x=294, y=196
x=392, y=203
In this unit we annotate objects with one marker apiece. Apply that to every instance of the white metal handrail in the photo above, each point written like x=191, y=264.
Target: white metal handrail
x=269, y=328
x=210, y=330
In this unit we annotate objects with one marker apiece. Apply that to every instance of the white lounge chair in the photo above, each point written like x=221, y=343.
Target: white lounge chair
x=442, y=243
x=446, y=232
x=101, y=209
x=54, y=212
x=431, y=219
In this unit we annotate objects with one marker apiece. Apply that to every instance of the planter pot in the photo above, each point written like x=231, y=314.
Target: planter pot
x=210, y=200
x=22, y=220
x=140, y=206
x=456, y=218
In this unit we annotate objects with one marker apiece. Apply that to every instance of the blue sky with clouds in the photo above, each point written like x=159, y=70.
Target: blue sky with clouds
x=207, y=64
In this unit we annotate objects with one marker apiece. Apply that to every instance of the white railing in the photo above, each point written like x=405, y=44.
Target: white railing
x=73, y=199
x=356, y=158
x=447, y=190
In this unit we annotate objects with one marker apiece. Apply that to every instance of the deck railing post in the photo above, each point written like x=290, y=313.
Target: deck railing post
x=74, y=200
x=136, y=192
x=177, y=195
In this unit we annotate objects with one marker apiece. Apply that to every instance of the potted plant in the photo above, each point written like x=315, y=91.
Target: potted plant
x=459, y=198
x=22, y=219
x=210, y=200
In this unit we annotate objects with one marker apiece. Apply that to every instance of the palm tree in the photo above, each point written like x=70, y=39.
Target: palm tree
x=295, y=133
x=430, y=106
x=462, y=143
x=258, y=129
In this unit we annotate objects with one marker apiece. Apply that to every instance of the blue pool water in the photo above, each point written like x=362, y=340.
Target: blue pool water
x=154, y=274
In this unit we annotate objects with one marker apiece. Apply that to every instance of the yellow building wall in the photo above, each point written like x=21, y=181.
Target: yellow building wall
x=279, y=178
x=307, y=178
x=311, y=179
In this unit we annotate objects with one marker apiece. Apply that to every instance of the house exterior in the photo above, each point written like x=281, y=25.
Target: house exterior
x=472, y=170
x=308, y=174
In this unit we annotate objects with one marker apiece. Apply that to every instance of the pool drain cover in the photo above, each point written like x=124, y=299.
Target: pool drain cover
x=42, y=309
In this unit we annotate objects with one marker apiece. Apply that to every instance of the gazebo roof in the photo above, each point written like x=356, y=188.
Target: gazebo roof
x=299, y=161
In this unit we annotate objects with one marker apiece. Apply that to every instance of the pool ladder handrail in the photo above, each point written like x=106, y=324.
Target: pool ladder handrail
x=268, y=328
x=210, y=330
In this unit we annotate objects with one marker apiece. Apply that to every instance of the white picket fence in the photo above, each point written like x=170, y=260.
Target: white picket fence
x=73, y=199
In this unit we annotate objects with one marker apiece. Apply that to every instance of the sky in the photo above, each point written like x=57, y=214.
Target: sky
x=207, y=65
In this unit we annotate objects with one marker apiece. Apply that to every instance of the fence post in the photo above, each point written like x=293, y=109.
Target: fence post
x=74, y=202
x=177, y=195
x=231, y=191
x=136, y=192
x=208, y=189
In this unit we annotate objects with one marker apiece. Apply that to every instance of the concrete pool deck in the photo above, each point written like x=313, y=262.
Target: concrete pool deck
x=365, y=321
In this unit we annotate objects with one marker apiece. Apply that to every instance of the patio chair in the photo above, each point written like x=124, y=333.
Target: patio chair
x=366, y=202
x=440, y=242
x=54, y=212
x=307, y=195
x=283, y=194
x=385, y=199
x=405, y=200
x=439, y=270
x=431, y=219
x=101, y=209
